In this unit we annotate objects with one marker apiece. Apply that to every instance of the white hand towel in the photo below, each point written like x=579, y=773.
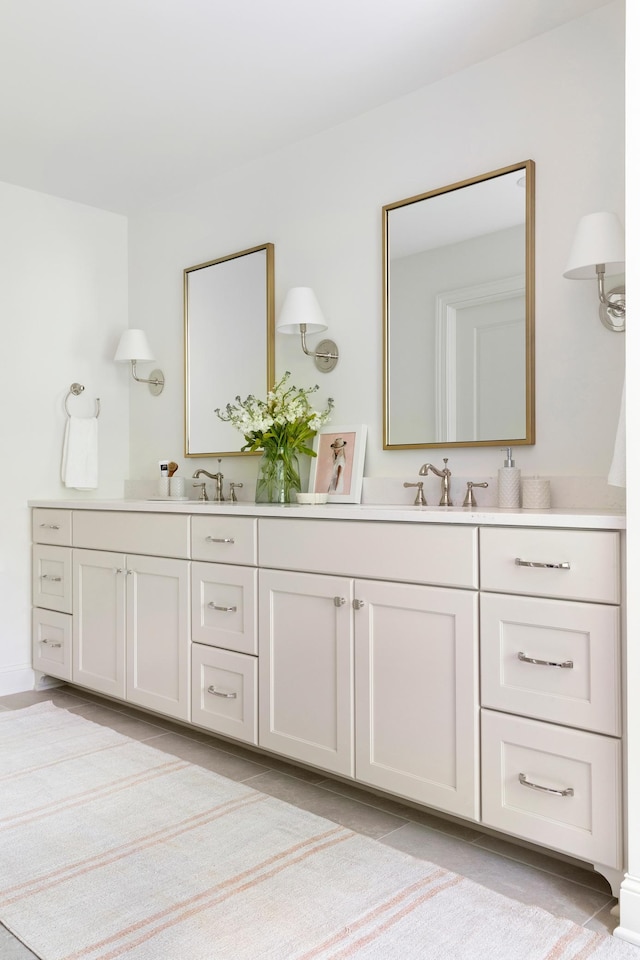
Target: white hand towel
x=618, y=470
x=80, y=453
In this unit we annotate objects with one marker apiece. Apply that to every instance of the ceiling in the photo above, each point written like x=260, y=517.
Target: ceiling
x=117, y=103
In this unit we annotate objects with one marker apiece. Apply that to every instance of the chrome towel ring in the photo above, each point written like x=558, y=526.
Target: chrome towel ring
x=76, y=389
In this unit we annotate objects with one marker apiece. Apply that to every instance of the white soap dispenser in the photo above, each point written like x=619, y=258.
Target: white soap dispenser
x=509, y=483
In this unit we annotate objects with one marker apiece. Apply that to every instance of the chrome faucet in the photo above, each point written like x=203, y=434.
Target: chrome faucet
x=218, y=477
x=445, y=499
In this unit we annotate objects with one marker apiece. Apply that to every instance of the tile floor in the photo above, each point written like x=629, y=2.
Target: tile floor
x=567, y=889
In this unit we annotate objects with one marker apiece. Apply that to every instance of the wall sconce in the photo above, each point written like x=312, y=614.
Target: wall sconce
x=301, y=314
x=134, y=347
x=598, y=247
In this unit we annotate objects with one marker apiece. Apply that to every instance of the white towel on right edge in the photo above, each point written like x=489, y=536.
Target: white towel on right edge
x=80, y=453
x=618, y=470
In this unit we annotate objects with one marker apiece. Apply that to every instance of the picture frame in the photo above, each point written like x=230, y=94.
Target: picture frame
x=338, y=467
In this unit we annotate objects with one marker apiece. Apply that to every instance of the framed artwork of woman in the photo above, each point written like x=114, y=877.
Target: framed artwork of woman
x=338, y=466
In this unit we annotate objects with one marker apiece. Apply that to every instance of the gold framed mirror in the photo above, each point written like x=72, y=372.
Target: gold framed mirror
x=458, y=313
x=229, y=321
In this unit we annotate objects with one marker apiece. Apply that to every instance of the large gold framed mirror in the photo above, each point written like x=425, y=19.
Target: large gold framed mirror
x=458, y=313
x=229, y=307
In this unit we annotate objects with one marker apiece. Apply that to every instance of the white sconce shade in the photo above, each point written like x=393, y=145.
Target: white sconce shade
x=301, y=306
x=598, y=248
x=599, y=238
x=134, y=347
x=301, y=314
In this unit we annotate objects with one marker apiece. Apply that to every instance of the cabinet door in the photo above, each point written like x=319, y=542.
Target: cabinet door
x=158, y=635
x=99, y=621
x=417, y=693
x=306, y=668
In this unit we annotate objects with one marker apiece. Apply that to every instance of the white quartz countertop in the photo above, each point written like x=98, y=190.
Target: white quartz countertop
x=596, y=519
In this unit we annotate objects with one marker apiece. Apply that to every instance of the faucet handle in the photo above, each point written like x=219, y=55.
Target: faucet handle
x=232, y=491
x=470, y=500
x=420, y=500
x=203, y=491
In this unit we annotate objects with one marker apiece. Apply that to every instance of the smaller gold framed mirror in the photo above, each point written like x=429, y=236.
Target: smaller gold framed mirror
x=229, y=321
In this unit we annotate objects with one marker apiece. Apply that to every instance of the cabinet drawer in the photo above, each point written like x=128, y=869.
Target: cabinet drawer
x=224, y=692
x=152, y=534
x=574, y=564
x=52, y=577
x=51, y=636
x=224, y=539
x=414, y=553
x=553, y=785
x=224, y=606
x=551, y=659
x=51, y=526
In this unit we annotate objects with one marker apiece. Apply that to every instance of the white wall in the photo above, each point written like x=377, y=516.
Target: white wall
x=63, y=303
x=557, y=100
x=63, y=297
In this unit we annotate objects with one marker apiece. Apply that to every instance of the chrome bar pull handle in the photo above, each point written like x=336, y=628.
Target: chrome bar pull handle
x=220, y=540
x=339, y=601
x=221, y=693
x=564, y=565
x=567, y=792
x=51, y=643
x=49, y=576
x=215, y=606
x=564, y=665
x=50, y=526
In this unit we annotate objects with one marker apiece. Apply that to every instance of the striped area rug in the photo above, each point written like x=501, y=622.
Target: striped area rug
x=109, y=848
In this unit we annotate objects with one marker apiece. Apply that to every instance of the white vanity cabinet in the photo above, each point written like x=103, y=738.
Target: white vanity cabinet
x=469, y=661
x=224, y=632
x=52, y=592
x=373, y=678
x=551, y=689
x=131, y=623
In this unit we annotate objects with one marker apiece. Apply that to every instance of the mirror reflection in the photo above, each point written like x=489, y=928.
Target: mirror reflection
x=229, y=343
x=458, y=313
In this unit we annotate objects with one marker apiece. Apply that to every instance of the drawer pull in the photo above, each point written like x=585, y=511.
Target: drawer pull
x=339, y=601
x=49, y=576
x=50, y=526
x=567, y=792
x=51, y=643
x=565, y=565
x=215, y=606
x=357, y=604
x=565, y=665
x=220, y=540
x=220, y=693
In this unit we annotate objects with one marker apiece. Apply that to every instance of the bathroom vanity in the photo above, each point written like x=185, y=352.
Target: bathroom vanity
x=470, y=660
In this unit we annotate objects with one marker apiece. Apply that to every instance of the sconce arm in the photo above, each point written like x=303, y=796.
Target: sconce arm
x=613, y=306
x=326, y=356
x=156, y=381
x=314, y=353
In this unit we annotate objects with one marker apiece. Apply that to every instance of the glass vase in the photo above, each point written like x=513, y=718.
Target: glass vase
x=278, y=477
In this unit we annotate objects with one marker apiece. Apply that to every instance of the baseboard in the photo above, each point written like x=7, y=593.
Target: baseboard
x=629, y=928
x=16, y=680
